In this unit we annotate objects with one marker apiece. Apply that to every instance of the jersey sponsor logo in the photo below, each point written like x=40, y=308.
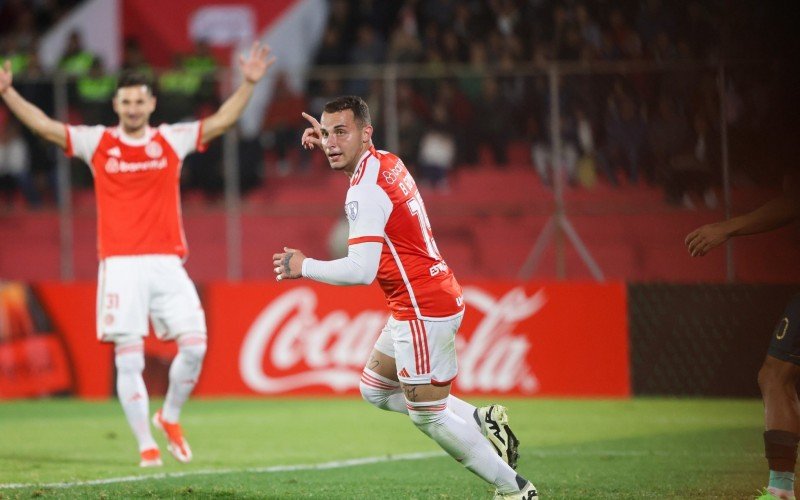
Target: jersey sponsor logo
x=351, y=210
x=439, y=267
x=403, y=373
x=153, y=150
x=272, y=359
x=391, y=175
x=115, y=152
x=114, y=166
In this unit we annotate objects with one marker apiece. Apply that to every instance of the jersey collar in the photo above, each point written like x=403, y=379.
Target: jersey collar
x=135, y=141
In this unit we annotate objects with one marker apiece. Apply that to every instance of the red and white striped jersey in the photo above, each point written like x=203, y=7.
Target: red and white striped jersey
x=136, y=185
x=384, y=205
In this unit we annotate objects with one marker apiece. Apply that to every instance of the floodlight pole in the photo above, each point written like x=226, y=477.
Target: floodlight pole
x=558, y=224
x=730, y=269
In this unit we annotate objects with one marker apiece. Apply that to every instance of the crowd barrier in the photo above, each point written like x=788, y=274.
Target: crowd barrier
x=547, y=339
x=538, y=339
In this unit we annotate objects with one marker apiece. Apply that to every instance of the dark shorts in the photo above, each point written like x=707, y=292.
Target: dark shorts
x=785, y=342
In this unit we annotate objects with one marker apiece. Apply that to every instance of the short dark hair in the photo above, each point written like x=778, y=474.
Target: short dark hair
x=130, y=78
x=352, y=102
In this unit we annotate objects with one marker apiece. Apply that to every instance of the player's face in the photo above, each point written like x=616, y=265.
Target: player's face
x=343, y=140
x=134, y=105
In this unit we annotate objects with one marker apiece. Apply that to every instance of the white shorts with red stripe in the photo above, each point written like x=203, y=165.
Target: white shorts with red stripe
x=424, y=351
x=133, y=289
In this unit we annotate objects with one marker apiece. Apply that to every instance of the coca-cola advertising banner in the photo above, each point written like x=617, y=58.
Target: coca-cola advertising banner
x=305, y=338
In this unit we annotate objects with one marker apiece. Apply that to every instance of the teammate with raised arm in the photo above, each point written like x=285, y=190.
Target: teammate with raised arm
x=141, y=243
x=780, y=372
x=414, y=359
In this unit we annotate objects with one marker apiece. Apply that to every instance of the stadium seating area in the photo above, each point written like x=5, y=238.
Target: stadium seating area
x=641, y=148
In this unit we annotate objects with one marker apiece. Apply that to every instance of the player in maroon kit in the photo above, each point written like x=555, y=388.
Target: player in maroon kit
x=780, y=372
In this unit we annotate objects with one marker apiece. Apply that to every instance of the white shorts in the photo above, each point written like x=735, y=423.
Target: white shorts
x=424, y=351
x=131, y=288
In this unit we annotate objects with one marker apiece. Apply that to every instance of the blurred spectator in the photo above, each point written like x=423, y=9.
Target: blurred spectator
x=14, y=163
x=692, y=168
x=179, y=90
x=331, y=52
x=76, y=60
x=666, y=134
x=492, y=111
x=437, y=149
x=543, y=157
x=201, y=63
x=14, y=53
x=94, y=92
x=133, y=58
x=283, y=126
x=625, y=133
x=34, y=85
x=410, y=130
x=369, y=49
x=404, y=46
x=588, y=28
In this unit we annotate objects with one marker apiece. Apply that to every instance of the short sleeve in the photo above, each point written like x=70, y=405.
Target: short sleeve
x=82, y=141
x=183, y=137
x=368, y=208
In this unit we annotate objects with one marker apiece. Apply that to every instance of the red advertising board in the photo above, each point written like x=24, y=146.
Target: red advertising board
x=533, y=339
x=305, y=338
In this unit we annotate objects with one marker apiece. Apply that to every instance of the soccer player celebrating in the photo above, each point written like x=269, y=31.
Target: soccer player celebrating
x=414, y=360
x=780, y=371
x=141, y=243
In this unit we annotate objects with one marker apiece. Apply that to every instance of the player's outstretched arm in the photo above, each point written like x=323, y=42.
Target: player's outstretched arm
x=772, y=215
x=253, y=68
x=31, y=116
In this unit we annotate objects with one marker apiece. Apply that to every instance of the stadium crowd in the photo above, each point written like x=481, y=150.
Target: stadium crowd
x=483, y=97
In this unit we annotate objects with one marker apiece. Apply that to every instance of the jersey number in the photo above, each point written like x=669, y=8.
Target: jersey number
x=417, y=209
x=112, y=301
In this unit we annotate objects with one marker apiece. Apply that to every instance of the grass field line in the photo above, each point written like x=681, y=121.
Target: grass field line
x=355, y=462
x=337, y=464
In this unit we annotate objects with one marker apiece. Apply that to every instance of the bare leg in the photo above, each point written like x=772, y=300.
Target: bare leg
x=777, y=380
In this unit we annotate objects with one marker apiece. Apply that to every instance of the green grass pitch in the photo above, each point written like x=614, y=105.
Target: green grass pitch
x=345, y=449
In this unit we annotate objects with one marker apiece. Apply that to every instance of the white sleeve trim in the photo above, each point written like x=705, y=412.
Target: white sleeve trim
x=359, y=267
x=84, y=140
x=183, y=137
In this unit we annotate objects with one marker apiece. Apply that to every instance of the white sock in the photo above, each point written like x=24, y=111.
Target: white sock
x=132, y=392
x=462, y=409
x=386, y=394
x=462, y=441
x=183, y=374
x=382, y=392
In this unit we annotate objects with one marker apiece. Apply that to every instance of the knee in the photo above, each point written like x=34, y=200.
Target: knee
x=131, y=362
x=378, y=398
x=192, y=348
x=774, y=375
